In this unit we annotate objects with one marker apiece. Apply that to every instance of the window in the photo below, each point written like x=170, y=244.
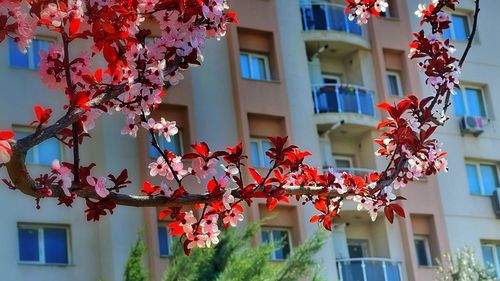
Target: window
x=394, y=83
x=174, y=146
x=42, y=154
x=423, y=251
x=31, y=58
x=391, y=11
x=358, y=248
x=482, y=178
x=259, y=148
x=469, y=101
x=164, y=240
x=491, y=255
x=343, y=162
x=331, y=79
x=41, y=244
x=254, y=66
x=280, y=238
x=459, y=28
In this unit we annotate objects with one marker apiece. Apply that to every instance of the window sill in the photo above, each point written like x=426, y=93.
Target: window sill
x=481, y=195
x=265, y=81
x=24, y=68
x=45, y=264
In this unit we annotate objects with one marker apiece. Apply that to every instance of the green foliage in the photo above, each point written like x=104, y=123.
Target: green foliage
x=462, y=267
x=233, y=259
x=134, y=269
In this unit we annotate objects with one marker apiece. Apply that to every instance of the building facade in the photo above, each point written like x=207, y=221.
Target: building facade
x=291, y=67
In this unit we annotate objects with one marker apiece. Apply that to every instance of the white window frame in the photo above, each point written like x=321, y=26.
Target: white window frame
x=266, y=65
x=270, y=230
x=169, y=240
x=35, y=149
x=350, y=159
x=452, y=27
x=41, y=244
x=30, y=53
x=466, y=104
x=331, y=76
x=478, y=164
x=399, y=84
x=495, y=257
x=427, y=248
x=262, y=153
x=181, y=143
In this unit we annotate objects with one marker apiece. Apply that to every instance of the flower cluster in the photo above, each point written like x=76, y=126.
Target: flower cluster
x=363, y=9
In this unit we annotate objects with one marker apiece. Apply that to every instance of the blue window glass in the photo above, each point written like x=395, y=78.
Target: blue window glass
x=489, y=178
x=31, y=58
x=281, y=241
x=44, y=153
x=446, y=34
x=164, y=241
x=460, y=27
x=489, y=258
x=259, y=68
x=475, y=102
x=256, y=155
x=55, y=245
x=266, y=145
x=16, y=58
x=458, y=103
x=245, y=66
x=422, y=255
x=473, y=179
x=28, y=244
x=174, y=146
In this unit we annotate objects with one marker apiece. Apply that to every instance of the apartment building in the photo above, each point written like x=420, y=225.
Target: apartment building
x=291, y=67
x=471, y=137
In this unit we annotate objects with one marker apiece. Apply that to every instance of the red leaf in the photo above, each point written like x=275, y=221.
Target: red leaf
x=98, y=75
x=109, y=28
x=327, y=223
x=314, y=219
x=271, y=203
x=398, y=210
x=74, y=26
x=42, y=115
x=201, y=148
x=389, y=213
x=149, y=189
x=255, y=175
x=6, y=135
x=110, y=54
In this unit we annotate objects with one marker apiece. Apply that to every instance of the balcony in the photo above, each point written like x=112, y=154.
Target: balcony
x=327, y=22
x=369, y=269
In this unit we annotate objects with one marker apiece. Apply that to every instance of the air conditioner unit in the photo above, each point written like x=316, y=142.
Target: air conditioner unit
x=472, y=125
x=495, y=201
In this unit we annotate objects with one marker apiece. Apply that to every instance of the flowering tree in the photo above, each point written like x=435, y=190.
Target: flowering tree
x=132, y=82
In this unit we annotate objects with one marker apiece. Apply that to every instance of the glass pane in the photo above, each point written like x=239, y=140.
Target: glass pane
x=56, y=246
x=48, y=151
x=280, y=237
x=366, y=102
x=336, y=18
x=352, y=271
x=374, y=271
x=489, y=258
x=39, y=45
x=489, y=177
x=392, y=85
x=393, y=273
x=255, y=154
x=473, y=179
x=447, y=34
x=327, y=99
x=458, y=102
x=348, y=99
x=342, y=163
x=460, y=27
x=163, y=239
x=259, y=70
x=266, y=145
x=16, y=58
x=264, y=236
x=245, y=66
x=475, y=102
x=421, y=252
x=28, y=244
x=319, y=17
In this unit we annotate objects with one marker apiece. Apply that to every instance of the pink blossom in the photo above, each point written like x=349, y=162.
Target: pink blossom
x=209, y=224
x=212, y=238
x=63, y=175
x=130, y=127
x=167, y=190
x=99, y=186
x=159, y=167
x=203, y=169
x=169, y=128
x=227, y=199
x=233, y=217
x=196, y=240
x=187, y=222
x=53, y=14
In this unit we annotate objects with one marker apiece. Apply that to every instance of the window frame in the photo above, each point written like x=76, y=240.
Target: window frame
x=427, y=248
x=270, y=230
x=35, y=149
x=478, y=164
x=41, y=243
x=169, y=240
x=251, y=55
x=181, y=144
x=330, y=76
x=262, y=153
x=30, y=53
x=466, y=104
x=399, y=83
x=495, y=256
x=348, y=158
x=452, y=26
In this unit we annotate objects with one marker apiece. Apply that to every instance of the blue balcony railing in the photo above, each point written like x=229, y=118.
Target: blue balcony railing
x=328, y=16
x=369, y=269
x=343, y=98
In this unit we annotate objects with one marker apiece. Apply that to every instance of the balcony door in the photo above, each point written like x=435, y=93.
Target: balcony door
x=358, y=248
x=343, y=163
x=331, y=79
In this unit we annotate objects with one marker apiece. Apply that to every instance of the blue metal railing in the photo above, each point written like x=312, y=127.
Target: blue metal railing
x=343, y=98
x=369, y=269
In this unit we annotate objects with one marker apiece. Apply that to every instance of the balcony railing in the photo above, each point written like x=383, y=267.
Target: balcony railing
x=369, y=269
x=361, y=172
x=343, y=98
x=328, y=16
